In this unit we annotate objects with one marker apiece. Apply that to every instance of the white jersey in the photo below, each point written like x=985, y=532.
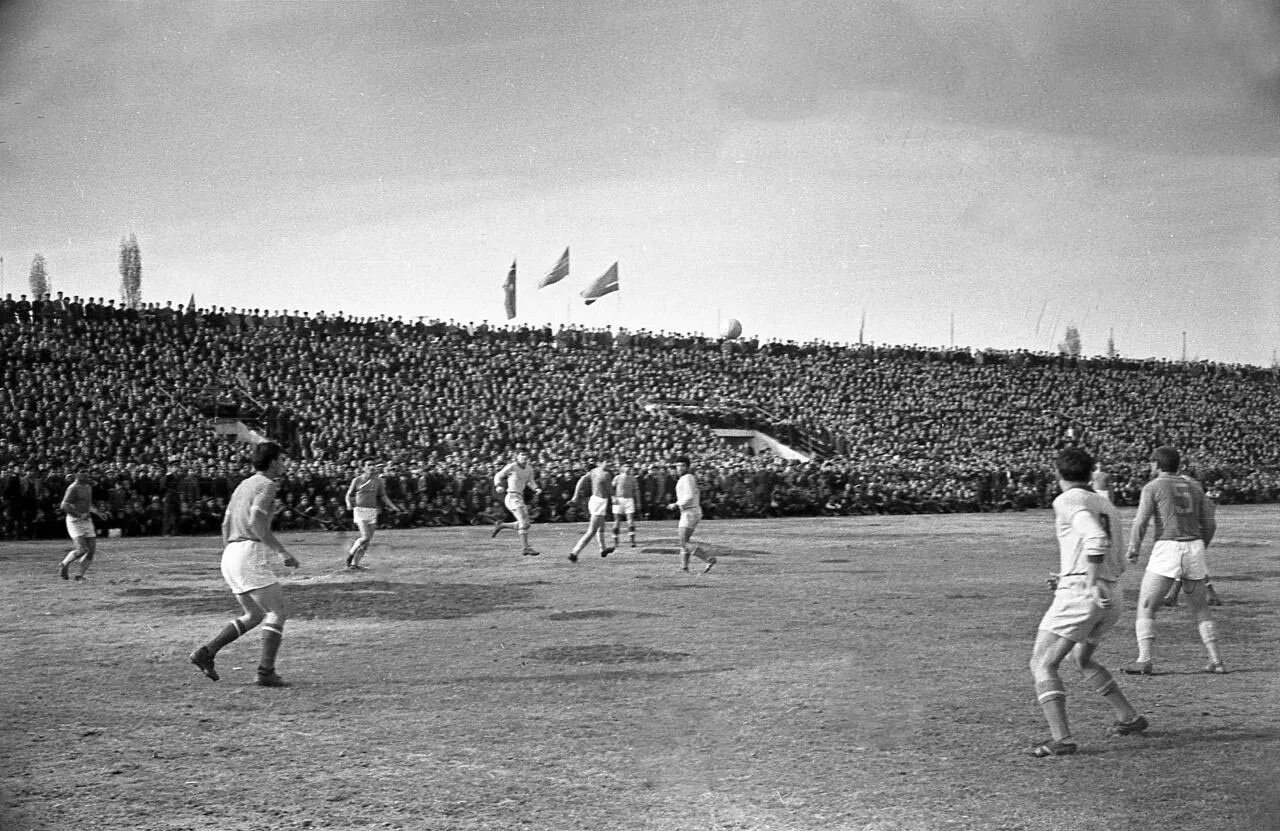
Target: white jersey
x=515, y=478
x=1088, y=524
x=687, y=494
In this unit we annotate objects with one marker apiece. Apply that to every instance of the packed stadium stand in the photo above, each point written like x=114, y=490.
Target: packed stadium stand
x=159, y=401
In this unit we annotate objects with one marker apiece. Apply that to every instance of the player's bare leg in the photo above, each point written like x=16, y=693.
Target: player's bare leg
x=271, y=599
x=1046, y=656
x=1155, y=587
x=361, y=545
x=1198, y=602
x=685, y=534
x=252, y=616
x=1128, y=720
x=690, y=549
x=522, y=527
x=82, y=554
x=595, y=530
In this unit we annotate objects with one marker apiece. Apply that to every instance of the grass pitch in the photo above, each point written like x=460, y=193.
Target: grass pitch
x=852, y=673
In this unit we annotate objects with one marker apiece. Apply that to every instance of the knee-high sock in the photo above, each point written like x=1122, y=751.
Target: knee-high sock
x=229, y=633
x=1209, y=636
x=1102, y=682
x=272, y=634
x=1053, y=701
x=1145, y=630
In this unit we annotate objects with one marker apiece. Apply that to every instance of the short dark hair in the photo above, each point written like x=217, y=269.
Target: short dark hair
x=266, y=453
x=684, y=460
x=1167, y=459
x=1074, y=464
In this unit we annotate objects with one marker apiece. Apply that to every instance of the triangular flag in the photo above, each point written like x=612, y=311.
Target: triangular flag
x=558, y=272
x=509, y=287
x=604, y=284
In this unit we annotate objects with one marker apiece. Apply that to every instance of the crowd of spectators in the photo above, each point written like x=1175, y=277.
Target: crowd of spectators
x=123, y=392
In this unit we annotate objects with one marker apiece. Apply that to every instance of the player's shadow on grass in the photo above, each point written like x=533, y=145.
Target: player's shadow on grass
x=1178, y=737
x=363, y=599
x=671, y=547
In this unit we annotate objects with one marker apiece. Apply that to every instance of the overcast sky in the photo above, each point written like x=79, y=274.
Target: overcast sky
x=1014, y=166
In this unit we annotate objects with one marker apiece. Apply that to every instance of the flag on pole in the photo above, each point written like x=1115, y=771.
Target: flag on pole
x=606, y=283
x=558, y=272
x=509, y=288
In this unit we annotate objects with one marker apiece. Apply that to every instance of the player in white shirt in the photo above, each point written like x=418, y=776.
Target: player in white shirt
x=1086, y=604
x=512, y=481
x=689, y=501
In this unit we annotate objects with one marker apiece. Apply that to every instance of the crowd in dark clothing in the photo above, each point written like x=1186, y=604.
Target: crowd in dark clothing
x=443, y=405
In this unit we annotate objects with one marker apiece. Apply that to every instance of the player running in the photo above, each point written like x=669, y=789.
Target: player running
x=367, y=491
x=689, y=501
x=246, y=566
x=596, y=487
x=1086, y=604
x=77, y=504
x=626, y=501
x=512, y=481
x=1184, y=526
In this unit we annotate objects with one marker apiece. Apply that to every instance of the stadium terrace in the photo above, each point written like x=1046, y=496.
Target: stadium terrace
x=158, y=401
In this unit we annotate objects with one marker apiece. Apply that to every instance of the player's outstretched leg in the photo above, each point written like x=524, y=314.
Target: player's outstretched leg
x=204, y=655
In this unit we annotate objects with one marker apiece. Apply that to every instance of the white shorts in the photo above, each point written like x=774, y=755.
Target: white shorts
x=246, y=565
x=1179, y=559
x=597, y=506
x=515, y=504
x=365, y=516
x=690, y=517
x=77, y=528
x=624, y=505
x=1073, y=614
